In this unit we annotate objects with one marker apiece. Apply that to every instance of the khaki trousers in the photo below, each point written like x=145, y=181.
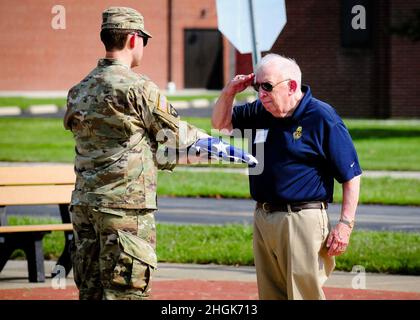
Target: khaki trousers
x=290, y=254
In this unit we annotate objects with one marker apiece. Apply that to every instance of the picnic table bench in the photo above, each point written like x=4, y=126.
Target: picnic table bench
x=35, y=185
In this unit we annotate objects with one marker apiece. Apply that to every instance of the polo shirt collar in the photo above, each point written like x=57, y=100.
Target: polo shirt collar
x=300, y=110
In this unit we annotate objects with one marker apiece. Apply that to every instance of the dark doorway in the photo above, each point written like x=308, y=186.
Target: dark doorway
x=203, y=53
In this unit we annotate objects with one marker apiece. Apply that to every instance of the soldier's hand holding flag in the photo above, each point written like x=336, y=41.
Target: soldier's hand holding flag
x=216, y=148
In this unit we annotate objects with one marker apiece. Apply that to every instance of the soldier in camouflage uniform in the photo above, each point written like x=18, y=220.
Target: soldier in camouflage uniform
x=118, y=118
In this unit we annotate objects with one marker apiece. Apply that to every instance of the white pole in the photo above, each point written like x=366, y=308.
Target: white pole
x=256, y=54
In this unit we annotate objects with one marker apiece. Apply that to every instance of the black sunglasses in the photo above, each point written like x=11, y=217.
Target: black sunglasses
x=266, y=86
x=141, y=35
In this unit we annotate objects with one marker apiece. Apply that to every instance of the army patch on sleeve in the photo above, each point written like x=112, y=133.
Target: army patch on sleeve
x=163, y=104
x=165, y=107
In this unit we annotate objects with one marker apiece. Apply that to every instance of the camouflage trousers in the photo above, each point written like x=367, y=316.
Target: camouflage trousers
x=113, y=254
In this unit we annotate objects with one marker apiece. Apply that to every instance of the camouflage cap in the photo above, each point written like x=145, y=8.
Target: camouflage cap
x=123, y=18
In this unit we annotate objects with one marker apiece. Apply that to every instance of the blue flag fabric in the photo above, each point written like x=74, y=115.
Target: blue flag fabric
x=219, y=149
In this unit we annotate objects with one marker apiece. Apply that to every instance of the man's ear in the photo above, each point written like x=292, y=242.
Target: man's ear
x=292, y=86
x=131, y=40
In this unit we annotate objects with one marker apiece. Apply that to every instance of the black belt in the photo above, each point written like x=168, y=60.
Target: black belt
x=297, y=206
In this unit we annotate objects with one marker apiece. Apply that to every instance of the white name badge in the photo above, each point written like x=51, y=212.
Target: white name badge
x=261, y=136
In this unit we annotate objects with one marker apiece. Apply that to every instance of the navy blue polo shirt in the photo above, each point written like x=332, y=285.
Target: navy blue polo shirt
x=303, y=153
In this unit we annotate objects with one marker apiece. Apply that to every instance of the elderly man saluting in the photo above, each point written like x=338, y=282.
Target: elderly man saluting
x=306, y=147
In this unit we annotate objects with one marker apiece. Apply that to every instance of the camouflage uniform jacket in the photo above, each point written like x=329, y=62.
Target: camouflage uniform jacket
x=118, y=118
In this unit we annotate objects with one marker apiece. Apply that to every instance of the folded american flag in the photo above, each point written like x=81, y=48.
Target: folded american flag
x=218, y=149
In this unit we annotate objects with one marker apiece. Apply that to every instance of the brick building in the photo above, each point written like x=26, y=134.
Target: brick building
x=36, y=56
x=375, y=75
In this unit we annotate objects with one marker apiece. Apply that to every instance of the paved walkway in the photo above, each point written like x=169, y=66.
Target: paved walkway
x=211, y=282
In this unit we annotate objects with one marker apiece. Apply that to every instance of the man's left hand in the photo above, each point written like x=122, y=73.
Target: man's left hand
x=338, y=240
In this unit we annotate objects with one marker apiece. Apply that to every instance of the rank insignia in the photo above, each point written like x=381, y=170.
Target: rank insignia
x=298, y=133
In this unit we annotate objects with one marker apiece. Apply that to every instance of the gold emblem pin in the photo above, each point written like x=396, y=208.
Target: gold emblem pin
x=298, y=133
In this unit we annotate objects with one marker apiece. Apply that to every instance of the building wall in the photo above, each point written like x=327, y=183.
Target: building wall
x=377, y=81
x=336, y=75
x=405, y=64
x=34, y=56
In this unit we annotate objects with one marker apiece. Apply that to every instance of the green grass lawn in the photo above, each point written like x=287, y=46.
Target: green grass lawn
x=384, y=251
x=385, y=190
x=36, y=139
x=24, y=102
x=387, y=144
x=389, y=252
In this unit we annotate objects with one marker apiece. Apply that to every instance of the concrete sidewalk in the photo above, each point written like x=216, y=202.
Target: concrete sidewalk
x=210, y=282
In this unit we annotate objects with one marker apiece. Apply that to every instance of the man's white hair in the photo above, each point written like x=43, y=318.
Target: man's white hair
x=287, y=67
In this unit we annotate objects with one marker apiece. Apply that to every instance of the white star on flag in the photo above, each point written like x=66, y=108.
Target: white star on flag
x=221, y=147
